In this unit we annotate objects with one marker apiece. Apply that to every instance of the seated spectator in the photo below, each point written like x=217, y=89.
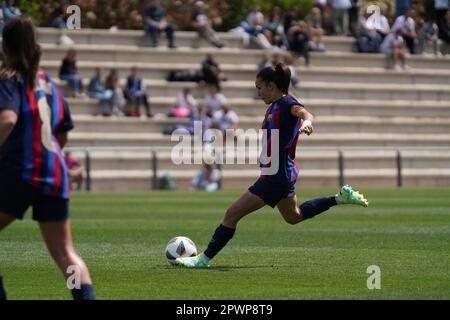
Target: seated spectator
x=135, y=94
x=207, y=178
x=186, y=105
x=214, y=100
x=274, y=28
x=68, y=71
x=10, y=11
x=118, y=99
x=211, y=71
x=290, y=18
x=74, y=170
x=155, y=21
x=382, y=27
x=444, y=35
x=225, y=118
x=314, y=21
x=394, y=46
x=299, y=40
x=254, y=26
x=405, y=23
x=203, y=25
x=58, y=17
x=98, y=92
x=428, y=35
x=368, y=40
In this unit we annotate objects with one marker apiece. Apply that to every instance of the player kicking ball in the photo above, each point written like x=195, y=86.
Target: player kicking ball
x=291, y=118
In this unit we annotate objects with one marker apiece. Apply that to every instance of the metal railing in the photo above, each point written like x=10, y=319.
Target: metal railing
x=154, y=182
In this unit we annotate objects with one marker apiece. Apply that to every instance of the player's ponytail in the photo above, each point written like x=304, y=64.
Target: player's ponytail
x=280, y=74
x=22, y=54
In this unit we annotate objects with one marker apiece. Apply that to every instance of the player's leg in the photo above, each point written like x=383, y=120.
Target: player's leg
x=289, y=210
x=311, y=208
x=246, y=204
x=58, y=238
x=5, y=220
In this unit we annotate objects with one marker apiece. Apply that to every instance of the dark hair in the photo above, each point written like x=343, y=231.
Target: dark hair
x=22, y=53
x=280, y=74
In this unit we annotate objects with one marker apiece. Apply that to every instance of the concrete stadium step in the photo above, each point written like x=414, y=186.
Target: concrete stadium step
x=338, y=124
x=134, y=180
x=319, y=107
x=86, y=139
x=247, y=72
x=310, y=90
x=306, y=159
x=137, y=55
x=375, y=60
x=182, y=38
x=133, y=38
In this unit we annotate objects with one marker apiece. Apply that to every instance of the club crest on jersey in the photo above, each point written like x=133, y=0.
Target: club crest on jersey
x=269, y=117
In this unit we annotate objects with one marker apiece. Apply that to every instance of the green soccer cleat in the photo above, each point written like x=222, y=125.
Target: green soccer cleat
x=199, y=261
x=348, y=196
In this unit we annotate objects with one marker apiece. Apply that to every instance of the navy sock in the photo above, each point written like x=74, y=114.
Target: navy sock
x=220, y=238
x=2, y=290
x=313, y=207
x=86, y=292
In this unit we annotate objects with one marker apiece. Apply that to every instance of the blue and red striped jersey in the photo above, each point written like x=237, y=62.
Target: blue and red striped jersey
x=32, y=149
x=279, y=116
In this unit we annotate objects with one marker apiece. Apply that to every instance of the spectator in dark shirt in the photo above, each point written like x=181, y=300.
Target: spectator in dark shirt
x=299, y=40
x=69, y=72
x=98, y=92
x=155, y=21
x=58, y=17
x=211, y=71
x=136, y=94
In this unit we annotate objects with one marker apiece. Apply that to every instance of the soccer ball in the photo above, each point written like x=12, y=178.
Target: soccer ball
x=180, y=247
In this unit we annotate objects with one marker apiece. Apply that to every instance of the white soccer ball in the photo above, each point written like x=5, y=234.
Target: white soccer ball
x=180, y=247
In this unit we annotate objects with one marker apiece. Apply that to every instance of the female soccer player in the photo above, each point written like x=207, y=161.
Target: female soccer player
x=290, y=117
x=34, y=121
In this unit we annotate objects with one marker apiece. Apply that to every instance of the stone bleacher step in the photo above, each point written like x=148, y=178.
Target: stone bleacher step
x=334, y=123
x=325, y=107
x=138, y=55
x=247, y=72
x=323, y=90
x=182, y=38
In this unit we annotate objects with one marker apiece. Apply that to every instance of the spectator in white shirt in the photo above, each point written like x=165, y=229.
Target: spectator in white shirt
x=407, y=26
x=214, y=100
x=394, y=46
x=225, y=118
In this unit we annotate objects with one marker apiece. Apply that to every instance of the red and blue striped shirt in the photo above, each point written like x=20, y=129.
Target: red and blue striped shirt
x=32, y=149
x=278, y=116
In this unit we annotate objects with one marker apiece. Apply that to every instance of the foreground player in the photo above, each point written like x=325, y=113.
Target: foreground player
x=290, y=117
x=34, y=121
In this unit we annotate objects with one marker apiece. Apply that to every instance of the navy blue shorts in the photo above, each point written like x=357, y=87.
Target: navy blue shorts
x=272, y=192
x=17, y=196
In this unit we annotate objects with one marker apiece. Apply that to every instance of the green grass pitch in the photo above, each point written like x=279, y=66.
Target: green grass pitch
x=122, y=237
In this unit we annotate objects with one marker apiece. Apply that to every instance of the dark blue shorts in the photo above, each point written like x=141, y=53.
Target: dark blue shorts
x=272, y=192
x=17, y=196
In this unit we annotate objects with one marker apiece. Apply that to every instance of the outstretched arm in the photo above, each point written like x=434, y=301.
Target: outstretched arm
x=300, y=112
